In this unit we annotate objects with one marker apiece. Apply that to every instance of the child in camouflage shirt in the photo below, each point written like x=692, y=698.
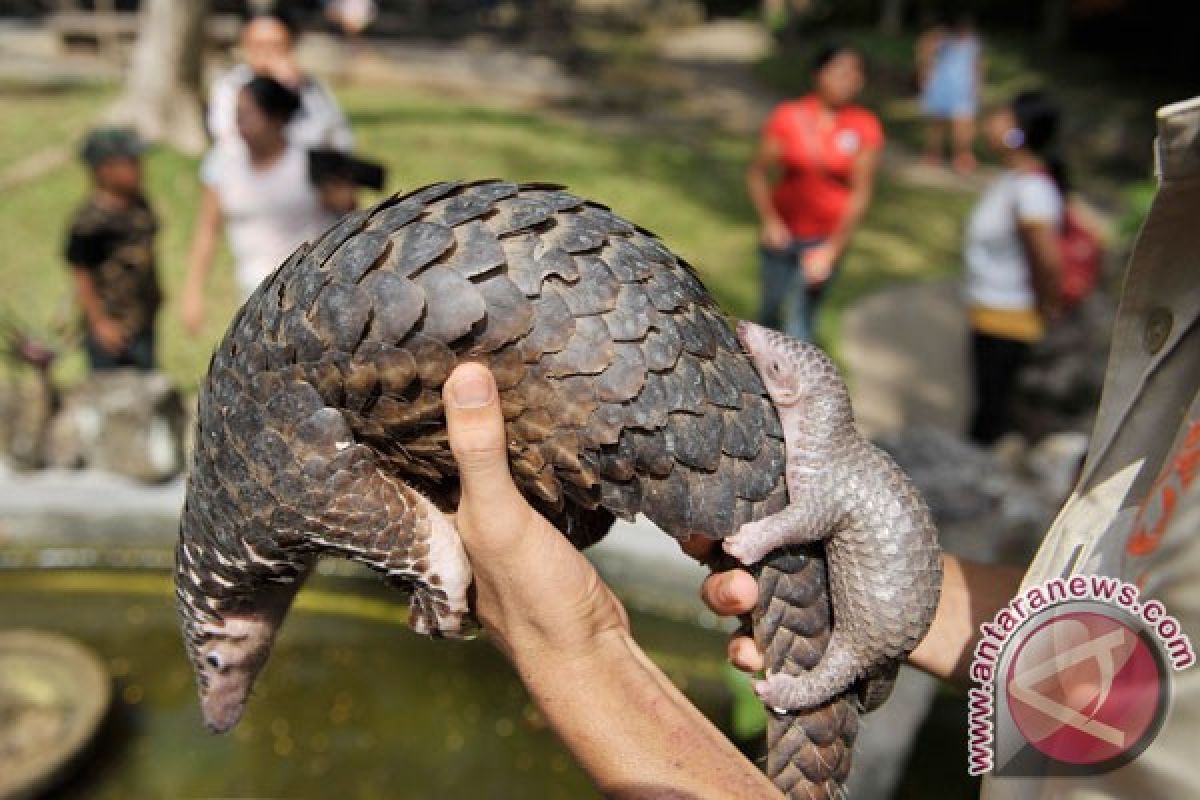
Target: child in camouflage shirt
x=110, y=249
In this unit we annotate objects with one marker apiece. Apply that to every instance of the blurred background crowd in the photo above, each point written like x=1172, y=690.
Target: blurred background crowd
x=941, y=194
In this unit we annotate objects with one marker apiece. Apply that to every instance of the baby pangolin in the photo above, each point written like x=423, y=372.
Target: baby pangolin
x=881, y=545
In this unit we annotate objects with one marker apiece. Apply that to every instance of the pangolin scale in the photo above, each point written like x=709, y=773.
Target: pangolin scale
x=321, y=430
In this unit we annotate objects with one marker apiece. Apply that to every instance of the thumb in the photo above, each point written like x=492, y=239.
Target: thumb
x=475, y=426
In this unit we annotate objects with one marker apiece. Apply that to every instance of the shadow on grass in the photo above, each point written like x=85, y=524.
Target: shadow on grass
x=12, y=89
x=406, y=114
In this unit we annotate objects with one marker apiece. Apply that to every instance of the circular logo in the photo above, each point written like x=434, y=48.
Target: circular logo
x=847, y=141
x=1085, y=688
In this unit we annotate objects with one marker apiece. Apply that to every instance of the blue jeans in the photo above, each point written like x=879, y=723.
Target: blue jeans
x=138, y=352
x=789, y=304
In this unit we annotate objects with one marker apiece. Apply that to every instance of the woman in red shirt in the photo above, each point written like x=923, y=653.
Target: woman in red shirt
x=825, y=150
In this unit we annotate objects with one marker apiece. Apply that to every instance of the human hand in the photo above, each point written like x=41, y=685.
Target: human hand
x=817, y=263
x=192, y=312
x=338, y=196
x=284, y=69
x=730, y=593
x=775, y=235
x=109, y=334
x=535, y=594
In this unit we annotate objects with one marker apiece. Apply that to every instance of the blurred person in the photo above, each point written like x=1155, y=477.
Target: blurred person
x=1012, y=255
x=268, y=48
x=262, y=193
x=825, y=150
x=925, y=48
x=950, y=69
x=110, y=249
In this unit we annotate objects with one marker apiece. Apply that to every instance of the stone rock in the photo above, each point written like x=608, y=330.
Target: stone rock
x=1059, y=389
x=989, y=506
x=1055, y=461
x=27, y=410
x=122, y=421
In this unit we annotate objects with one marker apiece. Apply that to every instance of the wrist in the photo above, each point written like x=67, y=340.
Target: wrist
x=625, y=721
x=539, y=660
x=570, y=685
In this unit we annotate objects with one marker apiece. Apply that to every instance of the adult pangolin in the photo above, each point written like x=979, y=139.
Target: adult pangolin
x=321, y=429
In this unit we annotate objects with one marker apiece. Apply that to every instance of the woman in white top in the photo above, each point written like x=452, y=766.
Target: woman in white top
x=1013, y=263
x=260, y=190
x=267, y=45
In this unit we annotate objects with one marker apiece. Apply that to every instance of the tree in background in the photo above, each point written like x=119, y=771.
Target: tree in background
x=163, y=91
x=891, y=16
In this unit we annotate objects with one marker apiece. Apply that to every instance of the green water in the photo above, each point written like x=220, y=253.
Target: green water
x=351, y=705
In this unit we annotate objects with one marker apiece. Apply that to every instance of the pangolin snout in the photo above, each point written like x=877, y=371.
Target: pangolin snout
x=748, y=334
x=222, y=712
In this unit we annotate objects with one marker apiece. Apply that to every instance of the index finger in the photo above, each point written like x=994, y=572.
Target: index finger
x=730, y=593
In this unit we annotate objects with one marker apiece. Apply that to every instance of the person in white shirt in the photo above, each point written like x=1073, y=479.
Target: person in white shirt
x=1011, y=249
x=259, y=189
x=267, y=42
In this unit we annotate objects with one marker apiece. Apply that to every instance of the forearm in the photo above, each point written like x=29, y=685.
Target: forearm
x=1046, y=283
x=849, y=223
x=88, y=297
x=200, y=259
x=204, y=242
x=1046, y=278
x=759, y=188
x=972, y=593
x=860, y=199
x=1041, y=248
x=632, y=730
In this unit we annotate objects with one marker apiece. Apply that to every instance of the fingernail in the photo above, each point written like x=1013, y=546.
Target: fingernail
x=725, y=590
x=471, y=390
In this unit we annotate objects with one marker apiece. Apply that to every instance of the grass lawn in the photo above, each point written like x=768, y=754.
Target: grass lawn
x=36, y=118
x=690, y=192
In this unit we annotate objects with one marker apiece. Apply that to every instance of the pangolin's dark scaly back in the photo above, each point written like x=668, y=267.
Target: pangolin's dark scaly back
x=623, y=387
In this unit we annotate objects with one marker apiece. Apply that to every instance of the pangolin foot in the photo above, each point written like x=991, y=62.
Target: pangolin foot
x=749, y=544
x=786, y=693
x=432, y=613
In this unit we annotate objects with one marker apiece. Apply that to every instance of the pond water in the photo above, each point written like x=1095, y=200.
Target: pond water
x=350, y=703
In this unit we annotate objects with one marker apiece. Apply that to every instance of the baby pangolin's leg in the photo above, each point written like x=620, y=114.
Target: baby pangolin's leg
x=876, y=686
x=810, y=517
x=837, y=669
